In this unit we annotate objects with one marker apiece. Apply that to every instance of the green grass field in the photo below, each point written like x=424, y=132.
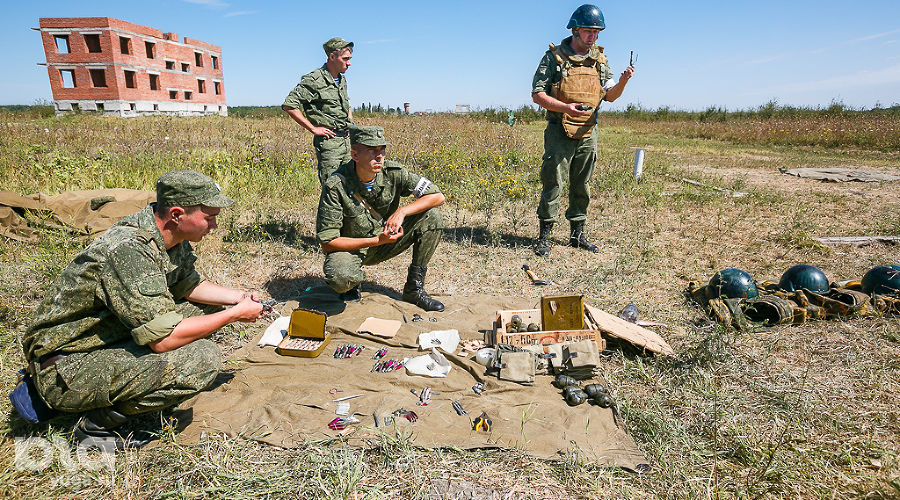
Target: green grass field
x=806, y=411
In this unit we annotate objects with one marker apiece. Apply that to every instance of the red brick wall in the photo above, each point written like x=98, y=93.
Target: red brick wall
x=115, y=63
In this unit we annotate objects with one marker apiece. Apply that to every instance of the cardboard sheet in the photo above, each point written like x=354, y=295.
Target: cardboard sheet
x=285, y=401
x=385, y=328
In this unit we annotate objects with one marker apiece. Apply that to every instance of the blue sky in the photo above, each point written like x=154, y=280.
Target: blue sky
x=691, y=54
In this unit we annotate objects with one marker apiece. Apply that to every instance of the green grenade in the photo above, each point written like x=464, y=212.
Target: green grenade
x=532, y=327
x=516, y=320
x=574, y=396
x=603, y=400
x=594, y=390
x=563, y=381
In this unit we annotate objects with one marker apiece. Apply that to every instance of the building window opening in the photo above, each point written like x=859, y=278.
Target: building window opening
x=75, y=107
x=68, y=78
x=150, y=48
x=187, y=95
x=217, y=87
x=173, y=94
x=129, y=80
x=156, y=107
x=205, y=109
x=98, y=77
x=93, y=43
x=100, y=108
x=132, y=106
x=198, y=59
x=62, y=44
x=215, y=62
x=170, y=64
x=154, y=82
x=185, y=67
x=201, y=86
x=125, y=45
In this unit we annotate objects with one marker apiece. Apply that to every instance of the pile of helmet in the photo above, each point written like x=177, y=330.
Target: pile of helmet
x=803, y=293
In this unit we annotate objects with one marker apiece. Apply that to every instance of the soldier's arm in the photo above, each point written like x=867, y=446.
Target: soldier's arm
x=293, y=104
x=545, y=101
x=298, y=117
x=394, y=223
x=198, y=327
x=207, y=292
x=616, y=90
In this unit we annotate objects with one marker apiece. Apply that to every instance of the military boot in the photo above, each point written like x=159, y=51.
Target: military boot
x=414, y=290
x=351, y=295
x=577, y=238
x=542, y=247
x=98, y=428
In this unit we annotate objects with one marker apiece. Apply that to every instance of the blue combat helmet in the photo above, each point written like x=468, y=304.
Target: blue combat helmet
x=587, y=16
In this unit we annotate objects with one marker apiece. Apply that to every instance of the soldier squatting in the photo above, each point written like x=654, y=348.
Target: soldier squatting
x=123, y=330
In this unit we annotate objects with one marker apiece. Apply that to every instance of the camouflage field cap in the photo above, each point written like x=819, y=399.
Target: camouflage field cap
x=186, y=188
x=368, y=136
x=336, y=44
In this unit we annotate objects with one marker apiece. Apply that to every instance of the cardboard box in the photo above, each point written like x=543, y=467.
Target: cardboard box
x=306, y=335
x=562, y=312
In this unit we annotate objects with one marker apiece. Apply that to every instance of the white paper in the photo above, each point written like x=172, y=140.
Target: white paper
x=273, y=334
x=446, y=340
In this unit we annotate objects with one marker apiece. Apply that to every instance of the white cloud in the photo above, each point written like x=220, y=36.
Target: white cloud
x=240, y=13
x=216, y=4
x=858, y=79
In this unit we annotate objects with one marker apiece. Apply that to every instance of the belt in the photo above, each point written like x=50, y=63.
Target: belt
x=342, y=133
x=553, y=122
x=50, y=360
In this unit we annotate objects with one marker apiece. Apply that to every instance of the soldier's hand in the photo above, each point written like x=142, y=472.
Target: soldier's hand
x=572, y=110
x=390, y=237
x=323, y=132
x=627, y=74
x=394, y=223
x=247, y=310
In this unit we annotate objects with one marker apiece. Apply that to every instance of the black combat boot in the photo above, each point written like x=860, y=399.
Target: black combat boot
x=577, y=238
x=414, y=290
x=542, y=247
x=99, y=427
x=351, y=295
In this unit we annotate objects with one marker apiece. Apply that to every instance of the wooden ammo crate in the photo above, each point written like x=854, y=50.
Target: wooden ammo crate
x=499, y=335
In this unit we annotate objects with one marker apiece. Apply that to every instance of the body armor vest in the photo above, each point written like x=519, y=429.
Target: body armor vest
x=580, y=83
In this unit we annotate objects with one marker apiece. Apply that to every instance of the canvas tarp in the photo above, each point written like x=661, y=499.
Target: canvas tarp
x=285, y=400
x=838, y=174
x=84, y=212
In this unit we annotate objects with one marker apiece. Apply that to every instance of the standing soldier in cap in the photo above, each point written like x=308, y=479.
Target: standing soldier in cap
x=570, y=82
x=320, y=103
x=122, y=331
x=360, y=221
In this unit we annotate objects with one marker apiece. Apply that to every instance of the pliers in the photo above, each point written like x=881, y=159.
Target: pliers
x=482, y=423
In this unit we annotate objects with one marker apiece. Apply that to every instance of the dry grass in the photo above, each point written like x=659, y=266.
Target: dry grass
x=805, y=411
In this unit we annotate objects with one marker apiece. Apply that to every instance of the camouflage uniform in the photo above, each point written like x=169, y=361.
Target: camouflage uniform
x=340, y=214
x=560, y=151
x=324, y=103
x=120, y=293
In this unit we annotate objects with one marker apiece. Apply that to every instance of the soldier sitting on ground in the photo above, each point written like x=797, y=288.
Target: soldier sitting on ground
x=360, y=221
x=122, y=330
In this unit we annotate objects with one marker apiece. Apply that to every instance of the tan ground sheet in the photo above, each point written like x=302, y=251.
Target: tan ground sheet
x=70, y=210
x=842, y=174
x=285, y=400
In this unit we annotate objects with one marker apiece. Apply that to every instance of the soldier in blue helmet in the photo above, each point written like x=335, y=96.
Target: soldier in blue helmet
x=570, y=82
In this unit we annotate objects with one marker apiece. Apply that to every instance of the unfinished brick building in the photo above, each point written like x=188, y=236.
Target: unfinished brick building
x=109, y=66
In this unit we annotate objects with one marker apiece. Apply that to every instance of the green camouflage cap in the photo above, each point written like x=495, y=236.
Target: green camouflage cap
x=186, y=188
x=336, y=44
x=368, y=136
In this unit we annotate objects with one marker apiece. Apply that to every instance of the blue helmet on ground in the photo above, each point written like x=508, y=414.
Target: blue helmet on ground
x=734, y=283
x=587, y=16
x=883, y=280
x=804, y=277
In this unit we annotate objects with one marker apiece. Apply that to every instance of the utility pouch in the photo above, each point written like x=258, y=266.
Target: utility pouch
x=555, y=357
x=770, y=310
x=541, y=360
x=580, y=359
x=517, y=367
x=27, y=402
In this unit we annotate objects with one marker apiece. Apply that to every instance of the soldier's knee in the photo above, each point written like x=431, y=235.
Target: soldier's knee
x=433, y=219
x=204, y=362
x=341, y=280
